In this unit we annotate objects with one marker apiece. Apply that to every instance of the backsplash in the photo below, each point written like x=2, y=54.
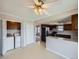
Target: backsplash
x=74, y=35
x=67, y=32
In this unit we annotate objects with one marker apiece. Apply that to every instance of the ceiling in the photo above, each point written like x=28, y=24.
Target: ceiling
x=19, y=9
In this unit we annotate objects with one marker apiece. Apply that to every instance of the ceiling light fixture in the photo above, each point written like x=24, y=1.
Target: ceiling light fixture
x=39, y=7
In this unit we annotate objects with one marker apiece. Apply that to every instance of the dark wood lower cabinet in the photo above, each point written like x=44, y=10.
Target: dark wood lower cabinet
x=63, y=36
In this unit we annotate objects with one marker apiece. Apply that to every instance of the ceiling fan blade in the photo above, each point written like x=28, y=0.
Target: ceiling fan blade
x=44, y=6
x=36, y=1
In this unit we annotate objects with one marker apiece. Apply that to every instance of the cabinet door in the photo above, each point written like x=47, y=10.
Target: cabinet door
x=13, y=25
x=10, y=43
x=17, y=41
x=68, y=27
x=75, y=22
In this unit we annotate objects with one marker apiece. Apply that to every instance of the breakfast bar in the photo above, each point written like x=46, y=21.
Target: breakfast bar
x=62, y=46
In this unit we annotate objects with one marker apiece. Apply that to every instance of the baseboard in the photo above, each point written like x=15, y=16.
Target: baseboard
x=65, y=57
x=4, y=52
x=0, y=53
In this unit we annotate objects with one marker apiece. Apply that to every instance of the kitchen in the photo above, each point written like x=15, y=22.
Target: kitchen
x=61, y=38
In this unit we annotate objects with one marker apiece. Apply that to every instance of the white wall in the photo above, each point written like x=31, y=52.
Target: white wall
x=4, y=38
x=30, y=38
x=0, y=36
x=27, y=33
x=3, y=42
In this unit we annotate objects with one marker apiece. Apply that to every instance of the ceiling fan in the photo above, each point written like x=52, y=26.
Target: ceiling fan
x=40, y=7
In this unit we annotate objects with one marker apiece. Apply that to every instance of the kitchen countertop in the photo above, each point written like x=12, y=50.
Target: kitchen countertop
x=73, y=40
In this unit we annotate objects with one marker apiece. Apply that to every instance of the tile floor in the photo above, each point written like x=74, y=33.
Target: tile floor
x=33, y=51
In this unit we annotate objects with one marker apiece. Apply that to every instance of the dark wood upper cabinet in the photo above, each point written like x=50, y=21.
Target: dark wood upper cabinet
x=13, y=25
x=74, y=22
